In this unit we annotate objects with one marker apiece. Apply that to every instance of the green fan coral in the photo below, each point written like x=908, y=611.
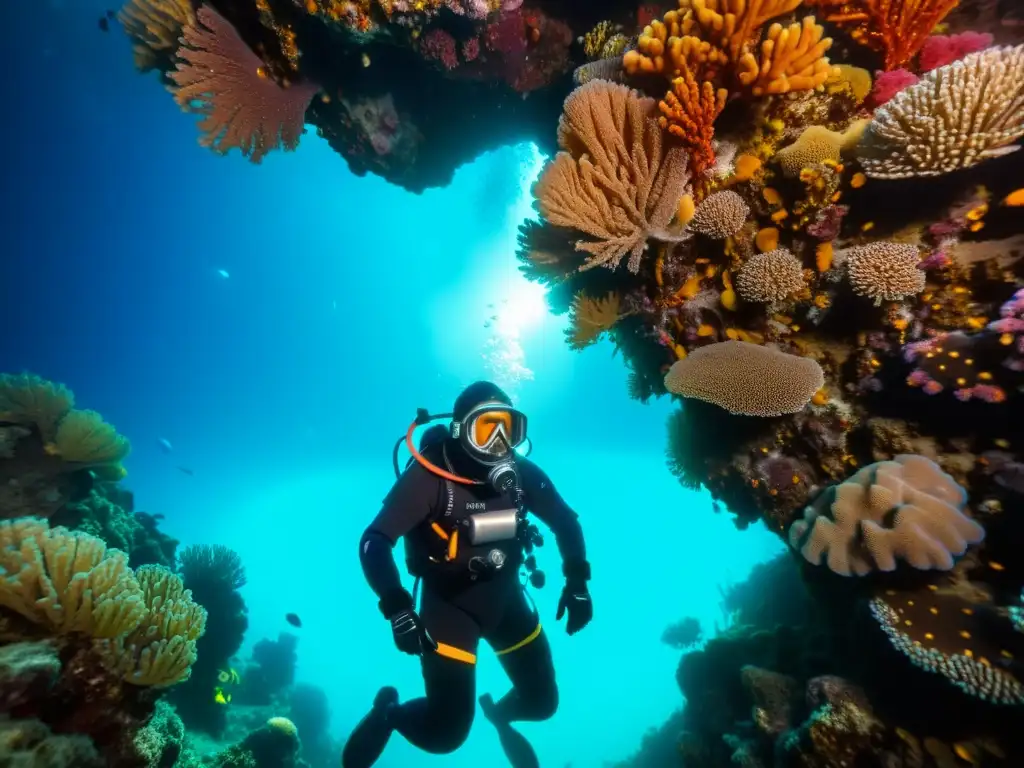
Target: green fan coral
x=30, y=400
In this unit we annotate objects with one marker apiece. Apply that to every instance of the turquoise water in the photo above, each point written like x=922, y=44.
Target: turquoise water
x=347, y=303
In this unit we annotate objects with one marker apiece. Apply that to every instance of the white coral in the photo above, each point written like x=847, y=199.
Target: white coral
x=954, y=117
x=905, y=509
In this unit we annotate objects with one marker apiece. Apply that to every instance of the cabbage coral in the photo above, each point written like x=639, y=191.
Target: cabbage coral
x=906, y=509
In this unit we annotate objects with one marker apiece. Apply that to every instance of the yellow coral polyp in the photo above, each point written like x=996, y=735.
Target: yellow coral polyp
x=767, y=239
x=823, y=257
x=771, y=196
x=745, y=167
x=685, y=211
x=792, y=59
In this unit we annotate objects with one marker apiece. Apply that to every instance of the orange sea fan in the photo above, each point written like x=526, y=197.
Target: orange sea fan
x=895, y=28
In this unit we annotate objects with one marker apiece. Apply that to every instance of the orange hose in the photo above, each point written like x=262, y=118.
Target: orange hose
x=430, y=466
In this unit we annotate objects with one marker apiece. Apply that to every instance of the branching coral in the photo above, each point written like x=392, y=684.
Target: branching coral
x=954, y=117
x=220, y=78
x=905, y=509
x=154, y=27
x=688, y=112
x=894, y=28
x=590, y=317
x=745, y=378
x=708, y=49
x=615, y=179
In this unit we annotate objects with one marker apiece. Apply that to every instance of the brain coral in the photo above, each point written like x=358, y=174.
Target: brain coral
x=905, y=509
x=745, y=378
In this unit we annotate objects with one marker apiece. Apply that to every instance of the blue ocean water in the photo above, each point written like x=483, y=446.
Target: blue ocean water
x=279, y=325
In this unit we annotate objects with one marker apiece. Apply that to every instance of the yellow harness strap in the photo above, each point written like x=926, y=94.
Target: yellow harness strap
x=451, y=652
x=525, y=641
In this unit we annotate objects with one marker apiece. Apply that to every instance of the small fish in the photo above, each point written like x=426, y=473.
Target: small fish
x=1015, y=198
x=220, y=697
x=293, y=619
x=186, y=471
x=165, y=445
x=366, y=60
x=223, y=273
x=104, y=24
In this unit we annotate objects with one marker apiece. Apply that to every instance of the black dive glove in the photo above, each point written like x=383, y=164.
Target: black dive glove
x=575, y=597
x=406, y=626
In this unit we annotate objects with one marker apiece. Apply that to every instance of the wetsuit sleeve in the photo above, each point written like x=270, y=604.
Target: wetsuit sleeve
x=544, y=501
x=407, y=505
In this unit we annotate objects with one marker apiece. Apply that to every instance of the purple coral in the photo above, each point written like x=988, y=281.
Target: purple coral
x=828, y=222
x=1010, y=327
x=437, y=45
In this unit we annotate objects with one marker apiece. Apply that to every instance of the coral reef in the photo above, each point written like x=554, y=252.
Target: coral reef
x=820, y=263
x=50, y=452
x=214, y=575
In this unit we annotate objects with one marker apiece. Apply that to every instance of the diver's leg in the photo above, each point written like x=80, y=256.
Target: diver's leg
x=439, y=722
x=525, y=655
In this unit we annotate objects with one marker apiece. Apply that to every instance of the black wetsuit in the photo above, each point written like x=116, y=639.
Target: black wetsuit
x=458, y=610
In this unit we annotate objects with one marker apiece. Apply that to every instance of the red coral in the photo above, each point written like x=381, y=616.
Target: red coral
x=507, y=35
x=940, y=50
x=471, y=49
x=438, y=45
x=219, y=77
x=888, y=84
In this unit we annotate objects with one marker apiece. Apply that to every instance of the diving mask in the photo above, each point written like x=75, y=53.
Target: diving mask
x=490, y=432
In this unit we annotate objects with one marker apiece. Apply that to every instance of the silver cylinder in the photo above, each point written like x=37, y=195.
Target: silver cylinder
x=488, y=527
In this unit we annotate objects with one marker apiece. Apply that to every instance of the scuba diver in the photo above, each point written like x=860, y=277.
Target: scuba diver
x=461, y=507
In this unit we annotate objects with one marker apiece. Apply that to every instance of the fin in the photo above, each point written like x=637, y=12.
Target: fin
x=366, y=744
x=517, y=749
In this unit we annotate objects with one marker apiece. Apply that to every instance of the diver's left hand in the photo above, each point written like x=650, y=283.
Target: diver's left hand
x=576, y=600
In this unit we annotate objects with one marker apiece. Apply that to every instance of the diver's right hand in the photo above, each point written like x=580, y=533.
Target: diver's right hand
x=410, y=636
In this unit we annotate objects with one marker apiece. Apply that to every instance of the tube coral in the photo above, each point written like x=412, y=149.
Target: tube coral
x=219, y=77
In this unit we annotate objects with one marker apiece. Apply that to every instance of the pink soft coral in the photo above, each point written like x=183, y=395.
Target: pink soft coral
x=888, y=84
x=940, y=50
